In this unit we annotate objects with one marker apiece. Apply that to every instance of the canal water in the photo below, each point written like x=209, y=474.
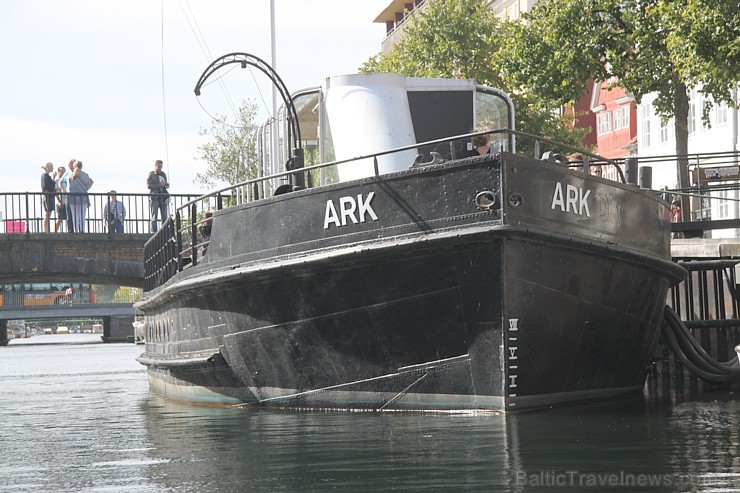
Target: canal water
x=76, y=416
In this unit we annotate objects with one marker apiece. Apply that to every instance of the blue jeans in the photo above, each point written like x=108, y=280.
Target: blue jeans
x=115, y=227
x=157, y=206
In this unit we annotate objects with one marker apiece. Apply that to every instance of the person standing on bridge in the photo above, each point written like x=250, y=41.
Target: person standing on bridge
x=61, y=189
x=47, y=187
x=114, y=213
x=78, y=199
x=66, y=179
x=159, y=197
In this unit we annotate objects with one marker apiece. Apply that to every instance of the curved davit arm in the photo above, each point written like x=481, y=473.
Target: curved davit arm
x=245, y=59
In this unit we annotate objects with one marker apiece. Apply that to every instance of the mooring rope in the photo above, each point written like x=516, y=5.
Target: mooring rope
x=403, y=392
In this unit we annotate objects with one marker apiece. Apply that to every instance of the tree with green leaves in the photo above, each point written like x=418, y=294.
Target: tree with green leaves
x=464, y=39
x=446, y=38
x=232, y=154
x=666, y=47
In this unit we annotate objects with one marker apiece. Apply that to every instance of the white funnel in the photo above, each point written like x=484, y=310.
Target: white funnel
x=369, y=113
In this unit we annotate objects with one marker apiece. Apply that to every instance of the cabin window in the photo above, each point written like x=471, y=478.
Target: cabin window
x=426, y=110
x=315, y=136
x=492, y=112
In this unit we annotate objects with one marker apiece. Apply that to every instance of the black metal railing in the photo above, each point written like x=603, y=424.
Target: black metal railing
x=160, y=256
x=189, y=219
x=708, y=303
x=24, y=212
x=711, y=200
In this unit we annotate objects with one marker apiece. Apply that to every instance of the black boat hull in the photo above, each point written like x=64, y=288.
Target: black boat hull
x=499, y=320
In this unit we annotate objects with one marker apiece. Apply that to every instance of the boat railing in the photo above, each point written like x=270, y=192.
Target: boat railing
x=180, y=244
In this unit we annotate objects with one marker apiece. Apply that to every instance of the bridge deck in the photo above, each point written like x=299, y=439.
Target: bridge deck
x=73, y=257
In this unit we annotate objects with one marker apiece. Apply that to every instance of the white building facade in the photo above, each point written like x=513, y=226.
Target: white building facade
x=719, y=135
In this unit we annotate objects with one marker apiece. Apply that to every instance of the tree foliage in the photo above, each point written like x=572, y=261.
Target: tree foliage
x=232, y=154
x=464, y=39
x=665, y=47
x=649, y=45
x=449, y=38
x=704, y=40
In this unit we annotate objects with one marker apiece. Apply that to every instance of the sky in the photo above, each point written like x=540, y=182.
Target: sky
x=110, y=82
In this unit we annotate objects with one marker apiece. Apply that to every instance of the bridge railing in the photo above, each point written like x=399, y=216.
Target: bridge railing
x=24, y=212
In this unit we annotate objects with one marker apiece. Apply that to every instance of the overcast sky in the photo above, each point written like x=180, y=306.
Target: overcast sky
x=84, y=79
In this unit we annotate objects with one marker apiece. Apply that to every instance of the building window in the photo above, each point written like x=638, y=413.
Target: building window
x=663, y=132
x=622, y=118
x=692, y=117
x=724, y=204
x=646, y=114
x=721, y=113
x=604, y=122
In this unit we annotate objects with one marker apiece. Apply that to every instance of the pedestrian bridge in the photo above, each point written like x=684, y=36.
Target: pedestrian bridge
x=98, y=258
x=29, y=254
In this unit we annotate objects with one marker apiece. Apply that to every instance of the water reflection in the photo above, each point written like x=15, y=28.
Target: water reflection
x=634, y=446
x=283, y=450
x=79, y=418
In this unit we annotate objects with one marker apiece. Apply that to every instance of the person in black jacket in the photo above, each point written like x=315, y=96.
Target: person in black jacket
x=159, y=197
x=47, y=187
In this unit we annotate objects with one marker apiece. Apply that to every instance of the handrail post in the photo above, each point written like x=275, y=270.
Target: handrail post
x=630, y=170
x=172, y=253
x=28, y=216
x=178, y=240
x=193, y=233
x=586, y=165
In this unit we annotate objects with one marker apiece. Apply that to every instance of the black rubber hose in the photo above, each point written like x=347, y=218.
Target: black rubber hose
x=686, y=335
x=698, y=356
x=683, y=334
x=670, y=339
x=680, y=345
x=691, y=354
